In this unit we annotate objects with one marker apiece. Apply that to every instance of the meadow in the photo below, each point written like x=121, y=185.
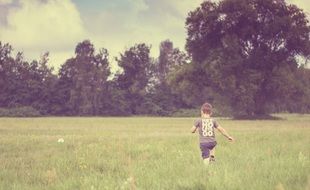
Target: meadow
x=151, y=153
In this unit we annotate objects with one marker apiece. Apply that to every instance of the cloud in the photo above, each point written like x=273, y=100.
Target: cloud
x=5, y=2
x=122, y=23
x=35, y=26
x=139, y=5
x=303, y=4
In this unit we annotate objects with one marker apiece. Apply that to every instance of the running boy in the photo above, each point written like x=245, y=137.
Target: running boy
x=205, y=126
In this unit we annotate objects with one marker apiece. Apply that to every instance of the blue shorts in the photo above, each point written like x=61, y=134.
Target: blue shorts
x=205, y=149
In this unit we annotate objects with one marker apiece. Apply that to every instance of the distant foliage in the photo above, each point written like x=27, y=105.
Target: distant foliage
x=82, y=84
x=186, y=113
x=23, y=83
x=19, y=112
x=134, y=81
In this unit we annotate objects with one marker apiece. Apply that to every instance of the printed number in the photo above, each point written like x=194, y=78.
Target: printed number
x=207, y=128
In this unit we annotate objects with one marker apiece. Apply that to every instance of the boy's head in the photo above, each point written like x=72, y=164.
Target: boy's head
x=206, y=108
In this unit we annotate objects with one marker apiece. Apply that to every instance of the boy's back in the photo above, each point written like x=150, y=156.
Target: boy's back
x=205, y=128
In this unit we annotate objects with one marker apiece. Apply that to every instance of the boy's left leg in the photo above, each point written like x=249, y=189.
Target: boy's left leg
x=212, y=155
x=205, y=153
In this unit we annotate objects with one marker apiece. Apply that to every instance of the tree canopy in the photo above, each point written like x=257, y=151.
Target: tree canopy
x=244, y=53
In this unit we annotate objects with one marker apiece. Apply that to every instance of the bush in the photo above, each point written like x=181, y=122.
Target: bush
x=257, y=117
x=19, y=112
x=186, y=113
x=195, y=112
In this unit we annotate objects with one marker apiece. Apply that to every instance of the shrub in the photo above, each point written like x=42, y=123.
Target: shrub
x=186, y=113
x=19, y=112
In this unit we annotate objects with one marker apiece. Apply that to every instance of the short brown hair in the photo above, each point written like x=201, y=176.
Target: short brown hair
x=206, y=108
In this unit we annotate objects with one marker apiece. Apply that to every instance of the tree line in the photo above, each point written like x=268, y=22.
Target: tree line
x=84, y=85
x=241, y=56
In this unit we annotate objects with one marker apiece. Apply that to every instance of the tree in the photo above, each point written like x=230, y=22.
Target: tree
x=23, y=83
x=300, y=93
x=6, y=62
x=83, y=81
x=136, y=64
x=242, y=49
x=164, y=59
x=169, y=60
x=39, y=82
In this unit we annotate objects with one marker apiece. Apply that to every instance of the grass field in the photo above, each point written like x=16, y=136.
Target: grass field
x=151, y=153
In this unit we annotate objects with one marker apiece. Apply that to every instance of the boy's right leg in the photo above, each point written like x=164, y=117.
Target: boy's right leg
x=206, y=161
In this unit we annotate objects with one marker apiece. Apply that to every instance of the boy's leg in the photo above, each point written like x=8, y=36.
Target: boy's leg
x=205, y=153
x=212, y=152
x=212, y=155
x=206, y=161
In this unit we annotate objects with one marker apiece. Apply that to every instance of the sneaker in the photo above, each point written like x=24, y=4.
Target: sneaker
x=212, y=158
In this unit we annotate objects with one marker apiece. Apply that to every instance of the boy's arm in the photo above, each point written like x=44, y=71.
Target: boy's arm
x=223, y=131
x=193, y=129
x=195, y=126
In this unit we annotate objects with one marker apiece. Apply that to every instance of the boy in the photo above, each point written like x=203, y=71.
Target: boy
x=205, y=126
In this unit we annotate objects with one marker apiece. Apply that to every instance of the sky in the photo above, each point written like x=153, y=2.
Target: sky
x=56, y=26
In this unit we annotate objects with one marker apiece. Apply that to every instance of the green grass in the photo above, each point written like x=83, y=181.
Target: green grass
x=151, y=153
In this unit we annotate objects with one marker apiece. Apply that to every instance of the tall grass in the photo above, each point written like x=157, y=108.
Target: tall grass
x=151, y=153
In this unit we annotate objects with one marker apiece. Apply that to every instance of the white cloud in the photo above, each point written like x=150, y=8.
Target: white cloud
x=139, y=5
x=54, y=24
x=303, y=4
x=183, y=7
x=5, y=2
x=149, y=21
x=37, y=26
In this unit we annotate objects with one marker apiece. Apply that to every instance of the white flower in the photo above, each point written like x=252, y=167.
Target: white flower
x=130, y=179
x=61, y=140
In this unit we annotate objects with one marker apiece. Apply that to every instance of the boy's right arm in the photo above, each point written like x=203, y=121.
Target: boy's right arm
x=194, y=128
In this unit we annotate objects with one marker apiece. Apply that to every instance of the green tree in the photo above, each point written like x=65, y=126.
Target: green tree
x=134, y=80
x=82, y=81
x=6, y=62
x=245, y=49
x=39, y=82
x=169, y=60
x=23, y=83
x=300, y=93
